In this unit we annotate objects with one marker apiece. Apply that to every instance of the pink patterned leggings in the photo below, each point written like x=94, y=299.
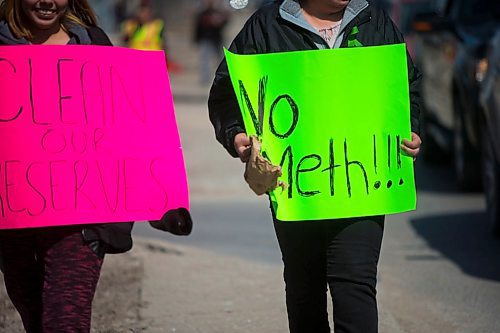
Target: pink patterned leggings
x=51, y=276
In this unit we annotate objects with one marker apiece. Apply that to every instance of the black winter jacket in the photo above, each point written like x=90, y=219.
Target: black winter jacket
x=268, y=32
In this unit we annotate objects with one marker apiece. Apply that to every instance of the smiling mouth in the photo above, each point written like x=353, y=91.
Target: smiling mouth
x=45, y=12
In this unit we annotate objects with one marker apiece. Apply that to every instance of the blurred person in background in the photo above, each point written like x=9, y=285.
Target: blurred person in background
x=147, y=32
x=123, y=10
x=144, y=31
x=342, y=254
x=208, y=34
x=120, y=10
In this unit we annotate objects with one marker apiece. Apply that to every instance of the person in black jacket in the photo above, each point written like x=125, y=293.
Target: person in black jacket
x=341, y=254
x=51, y=273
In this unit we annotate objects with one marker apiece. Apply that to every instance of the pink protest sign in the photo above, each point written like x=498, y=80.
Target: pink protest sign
x=88, y=135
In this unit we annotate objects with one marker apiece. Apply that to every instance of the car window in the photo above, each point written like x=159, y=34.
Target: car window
x=441, y=5
x=474, y=11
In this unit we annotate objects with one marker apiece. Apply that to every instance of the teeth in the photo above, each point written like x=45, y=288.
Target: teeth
x=46, y=11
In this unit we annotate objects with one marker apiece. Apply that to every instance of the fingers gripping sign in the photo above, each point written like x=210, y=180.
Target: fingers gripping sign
x=242, y=146
x=412, y=147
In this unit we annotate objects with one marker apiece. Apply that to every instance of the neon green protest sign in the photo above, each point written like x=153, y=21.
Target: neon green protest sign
x=334, y=120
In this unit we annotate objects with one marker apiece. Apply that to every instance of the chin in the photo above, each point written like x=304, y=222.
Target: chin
x=45, y=24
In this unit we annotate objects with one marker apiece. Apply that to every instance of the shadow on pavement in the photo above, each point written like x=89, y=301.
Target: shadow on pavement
x=465, y=239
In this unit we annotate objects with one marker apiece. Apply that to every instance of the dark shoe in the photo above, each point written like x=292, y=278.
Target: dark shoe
x=176, y=221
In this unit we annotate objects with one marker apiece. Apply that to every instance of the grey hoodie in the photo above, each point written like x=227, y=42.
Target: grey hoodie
x=290, y=10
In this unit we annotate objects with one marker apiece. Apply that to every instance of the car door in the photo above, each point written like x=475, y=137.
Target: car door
x=439, y=49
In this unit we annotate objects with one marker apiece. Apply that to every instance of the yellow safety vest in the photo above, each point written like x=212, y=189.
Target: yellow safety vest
x=146, y=37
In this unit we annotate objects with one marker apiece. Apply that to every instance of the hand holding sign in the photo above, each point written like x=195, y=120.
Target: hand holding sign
x=412, y=147
x=242, y=146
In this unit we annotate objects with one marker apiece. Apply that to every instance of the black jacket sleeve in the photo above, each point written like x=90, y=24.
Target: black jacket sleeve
x=223, y=106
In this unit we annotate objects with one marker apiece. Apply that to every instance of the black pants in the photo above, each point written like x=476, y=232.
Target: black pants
x=341, y=254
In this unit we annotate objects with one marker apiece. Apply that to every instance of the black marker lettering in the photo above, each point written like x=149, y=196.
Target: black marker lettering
x=398, y=145
x=8, y=186
x=30, y=183
x=288, y=152
x=79, y=148
x=98, y=137
x=114, y=75
x=80, y=183
x=315, y=157
x=2, y=120
x=111, y=206
x=389, y=151
x=160, y=185
x=47, y=145
x=331, y=168
x=1, y=200
x=53, y=185
x=126, y=187
x=262, y=97
x=32, y=100
x=347, y=173
x=84, y=94
x=61, y=97
x=295, y=116
x=1, y=206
